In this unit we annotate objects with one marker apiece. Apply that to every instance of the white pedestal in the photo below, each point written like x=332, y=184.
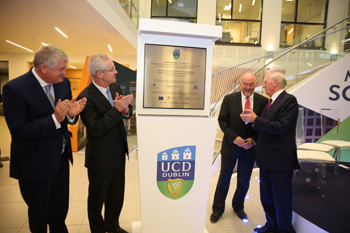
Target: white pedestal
x=162, y=142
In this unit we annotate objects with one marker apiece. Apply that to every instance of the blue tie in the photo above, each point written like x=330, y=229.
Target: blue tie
x=49, y=96
x=109, y=97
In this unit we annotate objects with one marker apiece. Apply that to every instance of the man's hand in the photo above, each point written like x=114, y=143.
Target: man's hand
x=239, y=141
x=61, y=110
x=75, y=107
x=248, y=116
x=248, y=143
x=122, y=102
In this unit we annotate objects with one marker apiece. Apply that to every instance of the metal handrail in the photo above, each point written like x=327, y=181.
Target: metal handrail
x=314, y=37
x=304, y=42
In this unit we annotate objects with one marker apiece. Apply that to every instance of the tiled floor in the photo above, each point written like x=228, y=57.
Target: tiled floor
x=13, y=210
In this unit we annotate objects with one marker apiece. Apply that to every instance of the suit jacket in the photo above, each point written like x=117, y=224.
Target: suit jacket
x=231, y=123
x=276, y=146
x=36, y=146
x=106, y=134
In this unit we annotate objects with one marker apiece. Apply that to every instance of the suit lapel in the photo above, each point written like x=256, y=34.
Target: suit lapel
x=276, y=102
x=39, y=92
x=99, y=96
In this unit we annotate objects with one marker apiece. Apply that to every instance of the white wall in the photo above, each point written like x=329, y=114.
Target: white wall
x=271, y=25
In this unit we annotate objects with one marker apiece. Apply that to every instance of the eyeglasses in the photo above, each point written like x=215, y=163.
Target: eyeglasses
x=111, y=70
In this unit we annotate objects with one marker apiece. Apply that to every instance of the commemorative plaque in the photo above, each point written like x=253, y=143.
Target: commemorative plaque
x=174, y=77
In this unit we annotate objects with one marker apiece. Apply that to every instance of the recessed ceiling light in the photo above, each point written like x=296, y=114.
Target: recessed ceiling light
x=19, y=46
x=43, y=43
x=240, y=7
x=110, y=48
x=72, y=67
x=61, y=32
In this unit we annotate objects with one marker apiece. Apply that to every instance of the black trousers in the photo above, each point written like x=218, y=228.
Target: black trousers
x=276, y=198
x=48, y=201
x=106, y=187
x=245, y=166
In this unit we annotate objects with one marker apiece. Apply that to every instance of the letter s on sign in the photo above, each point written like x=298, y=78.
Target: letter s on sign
x=334, y=92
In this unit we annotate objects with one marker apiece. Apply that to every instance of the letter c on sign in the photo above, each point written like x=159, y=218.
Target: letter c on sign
x=344, y=93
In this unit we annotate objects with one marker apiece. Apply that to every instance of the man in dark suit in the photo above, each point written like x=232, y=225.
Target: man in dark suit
x=37, y=108
x=238, y=143
x=276, y=153
x=106, y=144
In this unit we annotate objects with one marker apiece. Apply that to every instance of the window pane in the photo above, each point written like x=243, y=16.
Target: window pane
x=293, y=34
x=182, y=8
x=240, y=32
x=311, y=11
x=244, y=9
x=288, y=11
x=159, y=8
x=221, y=5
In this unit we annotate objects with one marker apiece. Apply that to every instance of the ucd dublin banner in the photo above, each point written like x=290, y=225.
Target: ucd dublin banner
x=175, y=171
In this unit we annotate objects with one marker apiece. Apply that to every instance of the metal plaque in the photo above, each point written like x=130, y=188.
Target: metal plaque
x=174, y=77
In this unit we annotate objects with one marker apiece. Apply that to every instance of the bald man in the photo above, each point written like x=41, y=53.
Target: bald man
x=238, y=143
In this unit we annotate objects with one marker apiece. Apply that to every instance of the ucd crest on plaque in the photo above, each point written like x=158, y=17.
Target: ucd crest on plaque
x=176, y=54
x=175, y=171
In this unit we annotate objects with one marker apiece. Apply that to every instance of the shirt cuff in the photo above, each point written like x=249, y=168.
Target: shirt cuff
x=57, y=124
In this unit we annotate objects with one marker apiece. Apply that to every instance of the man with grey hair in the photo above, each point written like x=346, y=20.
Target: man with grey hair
x=106, y=144
x=38, y=106
x=276, y=153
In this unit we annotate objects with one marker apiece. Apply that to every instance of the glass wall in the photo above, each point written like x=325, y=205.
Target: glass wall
x=179, y=10
x=302, y=19
x=240, y=21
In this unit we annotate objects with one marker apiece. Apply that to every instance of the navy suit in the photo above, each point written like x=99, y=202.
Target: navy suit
x=232, y=126
x=104, y=157
x=276, y=156
x=36, y=150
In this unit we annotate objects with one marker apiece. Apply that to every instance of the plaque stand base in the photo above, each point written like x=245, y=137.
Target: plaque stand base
x=136, y=227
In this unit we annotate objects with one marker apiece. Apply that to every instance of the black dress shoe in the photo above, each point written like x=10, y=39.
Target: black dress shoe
x=214, y=217
x=241, y=214
x=264, y=230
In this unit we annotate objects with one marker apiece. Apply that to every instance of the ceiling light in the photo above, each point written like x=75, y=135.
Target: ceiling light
x=290, y=31
x=240, y=7
x=72, y=67
x=227, y=7
x=170, y=2
x=61, y=32
x=110, y=48
x=19, y=46
x=309, y=64
x=253, y=2
x=43, y=43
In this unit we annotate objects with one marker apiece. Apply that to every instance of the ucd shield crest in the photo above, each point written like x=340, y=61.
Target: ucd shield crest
x=175, y=171
x=176, y=54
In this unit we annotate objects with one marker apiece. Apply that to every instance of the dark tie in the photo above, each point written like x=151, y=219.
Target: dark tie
x=247, y=103
x=269, y=105
x=109, y=97
x=49, y=96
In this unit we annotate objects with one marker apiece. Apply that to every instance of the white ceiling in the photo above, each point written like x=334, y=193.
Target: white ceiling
x=30, y=22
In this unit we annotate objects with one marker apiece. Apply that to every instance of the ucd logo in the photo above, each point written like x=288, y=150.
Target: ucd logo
x=175, y=171
x=176, y=54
